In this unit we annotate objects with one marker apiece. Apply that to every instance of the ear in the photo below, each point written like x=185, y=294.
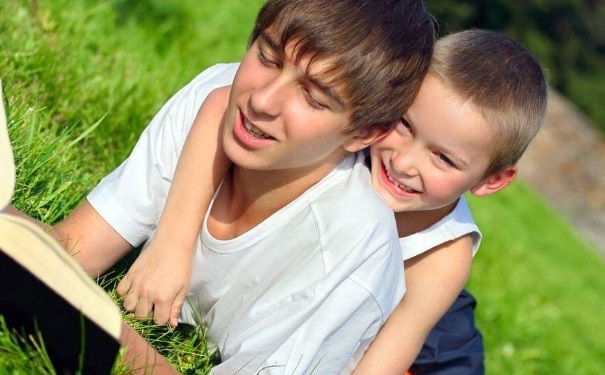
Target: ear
x=495, y=182
x=363, y=139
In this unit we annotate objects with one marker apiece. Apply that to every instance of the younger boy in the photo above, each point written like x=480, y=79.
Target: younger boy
x=479, y=107
x=460, y=134
x=297, y=265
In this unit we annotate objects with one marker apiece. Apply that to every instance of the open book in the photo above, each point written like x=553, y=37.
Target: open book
x=42, y=289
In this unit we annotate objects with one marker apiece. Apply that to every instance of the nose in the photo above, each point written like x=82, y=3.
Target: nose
x=405, y=163
x=267, y=97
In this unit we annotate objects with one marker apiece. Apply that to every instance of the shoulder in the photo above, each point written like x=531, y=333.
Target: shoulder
x=457, y=224
x=217, y=99
x=350, y=182
x=215, y=76
x=351, y=218
x=358, y=235
x=349, y=201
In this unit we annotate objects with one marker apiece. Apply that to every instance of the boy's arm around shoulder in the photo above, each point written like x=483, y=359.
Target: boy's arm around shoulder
x=158, y=281
x=433, y=279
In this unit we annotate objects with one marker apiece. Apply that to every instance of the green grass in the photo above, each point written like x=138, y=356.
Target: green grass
x=540, y=289
x=83, y=78
x=20, y=354
x=185, y=347
x=70, y=65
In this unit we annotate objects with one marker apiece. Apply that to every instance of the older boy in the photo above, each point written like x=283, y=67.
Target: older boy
x=297, y=265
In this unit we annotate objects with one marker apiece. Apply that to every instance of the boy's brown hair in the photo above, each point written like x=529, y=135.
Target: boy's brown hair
x=502, y=80
x=378, y=50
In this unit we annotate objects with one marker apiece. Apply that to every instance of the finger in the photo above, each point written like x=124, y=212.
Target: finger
x=124, y=286
x=175, y=311
x=175, y=314
x=130, y=301
x=161, y=312
x=143, y=309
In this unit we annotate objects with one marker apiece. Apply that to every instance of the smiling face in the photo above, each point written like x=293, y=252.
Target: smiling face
x=282, y=115
x=439, y=150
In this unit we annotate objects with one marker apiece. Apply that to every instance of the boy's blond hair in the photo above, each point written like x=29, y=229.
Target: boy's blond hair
x=378, y=51
x=502, y=80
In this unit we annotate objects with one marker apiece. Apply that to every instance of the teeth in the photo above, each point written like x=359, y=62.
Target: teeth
x=400, y=186
x=254, y=130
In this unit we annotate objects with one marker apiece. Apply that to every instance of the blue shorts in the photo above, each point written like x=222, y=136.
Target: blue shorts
x=455, y=345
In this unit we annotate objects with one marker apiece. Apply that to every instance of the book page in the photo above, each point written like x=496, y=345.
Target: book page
x=7, y=163
x=33, y=248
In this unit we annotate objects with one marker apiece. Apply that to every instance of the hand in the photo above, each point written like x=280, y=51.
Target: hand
x=156, y=284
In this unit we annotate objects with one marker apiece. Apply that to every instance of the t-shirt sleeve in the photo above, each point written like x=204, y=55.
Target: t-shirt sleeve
x=132, y=197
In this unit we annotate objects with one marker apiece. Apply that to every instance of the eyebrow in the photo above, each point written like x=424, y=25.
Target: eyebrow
x=328, y=91
x=270, y=41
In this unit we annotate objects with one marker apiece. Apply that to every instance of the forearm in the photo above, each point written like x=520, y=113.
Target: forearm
x=397, y=344
x=157, y=282
x=140, y=357
x=201, y=167
x=93, y=243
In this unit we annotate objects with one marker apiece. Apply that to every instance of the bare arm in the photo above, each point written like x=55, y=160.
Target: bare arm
x=157, y=282
x=93, y=243
x=140, y=356
x=434, y=279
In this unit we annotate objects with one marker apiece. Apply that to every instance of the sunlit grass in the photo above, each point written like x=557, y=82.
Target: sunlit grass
x=540, y=289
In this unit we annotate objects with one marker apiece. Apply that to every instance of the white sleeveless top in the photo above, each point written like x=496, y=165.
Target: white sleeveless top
x=456, y=224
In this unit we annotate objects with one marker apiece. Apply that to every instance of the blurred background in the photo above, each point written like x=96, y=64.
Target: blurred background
x=83, y=78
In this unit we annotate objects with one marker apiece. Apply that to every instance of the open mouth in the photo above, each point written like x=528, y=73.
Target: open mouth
x=253, y=130
x=396, y=185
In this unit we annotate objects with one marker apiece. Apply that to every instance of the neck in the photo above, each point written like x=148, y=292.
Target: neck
x=410, y=222
x=248, y=197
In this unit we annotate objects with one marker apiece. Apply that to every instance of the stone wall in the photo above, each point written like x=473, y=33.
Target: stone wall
x=566, y=165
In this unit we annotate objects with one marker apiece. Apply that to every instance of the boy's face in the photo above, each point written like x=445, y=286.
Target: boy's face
x=281, y=114
x=439, y=150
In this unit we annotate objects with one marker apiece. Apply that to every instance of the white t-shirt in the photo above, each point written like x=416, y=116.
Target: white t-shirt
x=303, y=292
x=456, y=224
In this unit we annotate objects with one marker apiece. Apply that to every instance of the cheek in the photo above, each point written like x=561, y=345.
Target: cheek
x=446, y=187
x=312, y=124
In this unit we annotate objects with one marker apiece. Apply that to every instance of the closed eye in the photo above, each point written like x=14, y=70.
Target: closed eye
x=444, y=159
x=265, y=60
x=314, y=103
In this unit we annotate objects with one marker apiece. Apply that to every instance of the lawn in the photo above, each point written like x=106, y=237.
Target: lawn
x=83, y=78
